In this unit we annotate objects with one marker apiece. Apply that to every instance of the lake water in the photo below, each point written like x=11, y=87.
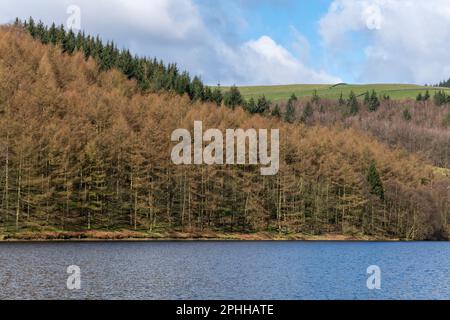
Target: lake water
x=225, y=270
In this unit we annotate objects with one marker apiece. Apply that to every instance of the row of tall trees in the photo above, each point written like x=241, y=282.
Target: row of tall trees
x=445, y=84
x=152, y=75
x=440, y=98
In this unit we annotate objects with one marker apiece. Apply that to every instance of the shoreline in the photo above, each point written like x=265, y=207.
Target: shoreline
x=133, y=236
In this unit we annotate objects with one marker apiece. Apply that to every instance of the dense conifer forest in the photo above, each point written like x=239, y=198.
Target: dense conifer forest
x=85, y=145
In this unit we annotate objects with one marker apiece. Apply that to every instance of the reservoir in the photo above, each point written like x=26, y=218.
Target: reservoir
x=225, y=270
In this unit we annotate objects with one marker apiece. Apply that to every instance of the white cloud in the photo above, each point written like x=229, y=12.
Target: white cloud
x=179, y=31
x=404, y=40
x=271, y=63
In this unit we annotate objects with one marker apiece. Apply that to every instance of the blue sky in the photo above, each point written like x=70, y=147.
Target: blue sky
x=255, y=42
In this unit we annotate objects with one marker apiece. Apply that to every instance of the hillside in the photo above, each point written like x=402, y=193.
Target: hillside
x=333, y=92
x=420, y=127
x=85, y=150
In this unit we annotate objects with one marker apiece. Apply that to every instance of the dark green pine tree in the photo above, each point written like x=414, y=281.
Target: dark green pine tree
x=440, y=98
x=41, y=32
x=53, y=34
x=289, y=116
x=427, y=96
x=276, y=112
x=183, y=83
x=407, y=115
x=207, y=94
x=140, y=73
x=217, y=96
x=374, y=180
x=263, y=105
x=69, y=42
x=250, y=106
x=307, y=112
x=233, y=98
x=374, y=103
x=125, y=63
x=97, y=48
x=197, y=90
x=107, y=57
x=79, y=41
x=419, y=97
x=31, y=27
x=60, y=34
x=315, y=97
x=87, y=47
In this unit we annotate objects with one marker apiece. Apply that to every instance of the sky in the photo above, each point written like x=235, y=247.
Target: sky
x=266, y=42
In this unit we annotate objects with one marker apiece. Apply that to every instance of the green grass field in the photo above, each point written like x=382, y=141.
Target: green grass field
x=283, y=92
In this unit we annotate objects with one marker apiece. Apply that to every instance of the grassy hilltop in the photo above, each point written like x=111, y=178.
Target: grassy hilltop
x=329, y=91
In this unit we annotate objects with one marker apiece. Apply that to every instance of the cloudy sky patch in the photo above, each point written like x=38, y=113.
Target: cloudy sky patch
x=272, y=41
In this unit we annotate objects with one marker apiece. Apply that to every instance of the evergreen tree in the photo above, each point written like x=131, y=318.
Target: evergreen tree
x=207, y=94
x=407, y=115
x=250, y=106
x=440, y=98
x=79, y=41
x=307, y=112
x=217, y=96
x=374, y=180
x=419, y=97
x=31, y=27
x=233, y=98
x=263, y=105
x=374, y=103
x=69, y=42
x=53, y=34
x=107, y=57
x=315, y=97
x=197, y=90
x=290, y=109
x=41, y=32
x=276, y=112
x=182, y=83
x=352, y=104
x=125, y=63
x=427, y=96
x=293, y=98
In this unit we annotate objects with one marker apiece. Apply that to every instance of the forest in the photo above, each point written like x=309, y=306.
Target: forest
x=420, y=126
x=86, y=146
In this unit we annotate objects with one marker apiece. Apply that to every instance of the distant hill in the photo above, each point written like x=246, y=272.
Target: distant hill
x=328, y=91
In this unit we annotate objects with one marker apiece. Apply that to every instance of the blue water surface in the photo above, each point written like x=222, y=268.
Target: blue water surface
x=225, y=270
